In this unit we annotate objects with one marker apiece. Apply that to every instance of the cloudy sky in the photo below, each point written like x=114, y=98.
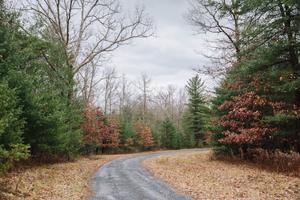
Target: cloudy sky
x=170, y=56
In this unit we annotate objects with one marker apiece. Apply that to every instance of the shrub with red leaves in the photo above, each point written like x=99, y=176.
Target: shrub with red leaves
x=98, y=129
x=145, y=135
x=243, y=122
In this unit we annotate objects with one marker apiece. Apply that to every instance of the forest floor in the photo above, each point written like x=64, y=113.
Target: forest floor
x=61, y=181
x=197, y=175
x=191, y=173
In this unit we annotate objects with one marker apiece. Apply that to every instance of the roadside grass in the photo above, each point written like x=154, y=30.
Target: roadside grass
x=201, y=177
x=61, y=181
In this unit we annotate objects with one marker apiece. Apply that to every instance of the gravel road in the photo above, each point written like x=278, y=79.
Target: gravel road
x=126, y=179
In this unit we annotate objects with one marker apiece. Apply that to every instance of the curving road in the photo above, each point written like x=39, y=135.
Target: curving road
x=126, y=179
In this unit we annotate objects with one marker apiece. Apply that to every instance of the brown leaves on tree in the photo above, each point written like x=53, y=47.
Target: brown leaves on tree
x=286, y=108
x=243, y=122
x=145, y=135
x=97, y=128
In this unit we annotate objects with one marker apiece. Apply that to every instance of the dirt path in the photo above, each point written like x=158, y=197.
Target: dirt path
x=126, y=179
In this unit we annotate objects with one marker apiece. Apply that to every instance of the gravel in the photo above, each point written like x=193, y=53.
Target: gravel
x=127, y=179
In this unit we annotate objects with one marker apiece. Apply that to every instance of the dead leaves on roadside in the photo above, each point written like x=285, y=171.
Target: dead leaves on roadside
x=52, y=182
x=201, y=178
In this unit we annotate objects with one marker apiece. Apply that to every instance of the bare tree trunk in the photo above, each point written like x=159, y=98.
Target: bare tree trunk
x=144, y=87
x=88, y=30
x=110, y=88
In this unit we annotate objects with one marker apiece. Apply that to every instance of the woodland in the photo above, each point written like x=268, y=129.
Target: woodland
x=59, y=101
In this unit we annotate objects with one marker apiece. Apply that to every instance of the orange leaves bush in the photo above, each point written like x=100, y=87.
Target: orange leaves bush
x=98, y=129
x=243, y=121
x=144, y=134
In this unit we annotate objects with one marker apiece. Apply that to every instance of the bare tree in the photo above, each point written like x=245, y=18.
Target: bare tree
x=219, y=17
x=88, y=81
x=144, y=86
x=124, y=93
x=170, y=102
x=171, y=90
x=230, y=23
x=88, y=30
x=110, y=87
x=160, y=104
x=165, y=99
x=224, y=19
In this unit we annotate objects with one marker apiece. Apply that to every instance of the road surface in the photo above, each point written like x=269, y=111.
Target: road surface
x=126, y=179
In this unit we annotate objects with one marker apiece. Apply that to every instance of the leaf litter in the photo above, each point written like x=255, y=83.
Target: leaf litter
x=200, y=177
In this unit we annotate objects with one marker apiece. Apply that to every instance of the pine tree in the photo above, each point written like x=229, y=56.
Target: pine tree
x=269, y=71
x=170, y=138
x=12, y=147
x=128, y=135
x=197, y=112
x=51, y=123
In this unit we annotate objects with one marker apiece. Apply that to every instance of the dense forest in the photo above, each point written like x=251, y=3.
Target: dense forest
x=256, y=105
x=49, y=82
x=58, y=100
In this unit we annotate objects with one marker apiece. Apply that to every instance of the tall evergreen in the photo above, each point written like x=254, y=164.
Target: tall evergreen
x=197, y=111
x=269, y=73
x=33, y=96
x=12, y=147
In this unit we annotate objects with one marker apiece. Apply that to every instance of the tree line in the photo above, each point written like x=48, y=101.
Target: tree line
x=58, y=100
x=257, y=65
x=136, y=116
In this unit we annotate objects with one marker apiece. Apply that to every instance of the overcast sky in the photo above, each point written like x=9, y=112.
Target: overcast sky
x=170, y=56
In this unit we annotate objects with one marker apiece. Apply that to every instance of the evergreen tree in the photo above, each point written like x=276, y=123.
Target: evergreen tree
x=170, y=138
x=51, y=123
x=126, y=131
x=128, y=135
x=197, y=111
x=188, y=139
x=155, y=129
x=269, y=72
x=12, y=147
x=11, y=129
